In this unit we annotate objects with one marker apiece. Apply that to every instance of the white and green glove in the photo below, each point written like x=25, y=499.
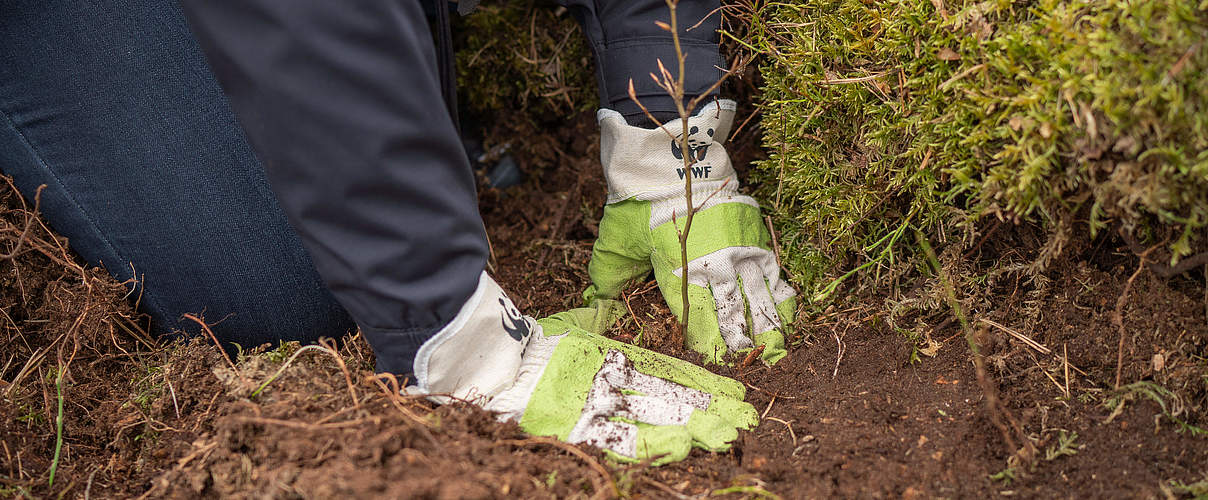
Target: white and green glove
x=581, y=387
x=736, y=297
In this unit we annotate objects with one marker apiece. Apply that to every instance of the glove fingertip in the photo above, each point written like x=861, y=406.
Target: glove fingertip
x=774, y=346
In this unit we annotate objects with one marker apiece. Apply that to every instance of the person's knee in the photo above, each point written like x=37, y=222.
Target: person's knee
x=251, y=314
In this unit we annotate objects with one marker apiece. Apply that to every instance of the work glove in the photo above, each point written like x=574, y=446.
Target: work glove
x=736, y=297
x=578, y=386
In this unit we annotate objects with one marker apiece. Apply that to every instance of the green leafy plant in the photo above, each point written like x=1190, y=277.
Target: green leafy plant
x=1170, y=403
x=939, y=115
x=1066, y=445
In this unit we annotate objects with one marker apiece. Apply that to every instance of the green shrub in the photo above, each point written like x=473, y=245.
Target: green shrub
x=885, y=117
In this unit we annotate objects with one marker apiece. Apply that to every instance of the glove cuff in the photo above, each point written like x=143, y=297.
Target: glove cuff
x=511, y=402
x=478, y=354
x=648, y=164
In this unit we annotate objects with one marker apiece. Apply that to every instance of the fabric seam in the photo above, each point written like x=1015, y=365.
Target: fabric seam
x=87, y=217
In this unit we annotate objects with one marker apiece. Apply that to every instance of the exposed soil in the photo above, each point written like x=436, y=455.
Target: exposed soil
x=846, y=414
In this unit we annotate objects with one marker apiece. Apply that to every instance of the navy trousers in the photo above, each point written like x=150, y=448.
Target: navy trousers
x=160, y=130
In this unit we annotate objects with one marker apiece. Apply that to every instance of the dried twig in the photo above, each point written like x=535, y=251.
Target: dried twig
x=1118, y=313
x=30, y=217
x=993, y=405
x=304, y=425
x=172, y=391
x=330, y=344
x=790, y=427
x=838, y=81
x=839, y=355
x=1162, y=270
x=768, y=409
x=1022, y=338
x=666, y=489
x=206, y=328
x=1065, y=357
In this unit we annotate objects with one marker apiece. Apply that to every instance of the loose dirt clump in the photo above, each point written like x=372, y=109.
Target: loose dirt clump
x=318, y=431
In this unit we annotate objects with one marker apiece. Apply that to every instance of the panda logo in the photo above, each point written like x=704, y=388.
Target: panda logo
x=698, y=145
x=513, y=322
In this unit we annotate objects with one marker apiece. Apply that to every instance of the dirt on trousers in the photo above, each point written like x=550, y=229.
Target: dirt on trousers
x=858, y=409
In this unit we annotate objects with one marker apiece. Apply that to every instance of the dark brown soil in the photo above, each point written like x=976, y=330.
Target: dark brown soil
x=858, y=409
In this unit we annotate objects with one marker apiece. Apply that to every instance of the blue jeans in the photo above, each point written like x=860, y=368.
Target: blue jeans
x=112, y=106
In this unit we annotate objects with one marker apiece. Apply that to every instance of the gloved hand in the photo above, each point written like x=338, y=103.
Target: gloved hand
x=736, y=297
x=578, y=386
x=634, y=403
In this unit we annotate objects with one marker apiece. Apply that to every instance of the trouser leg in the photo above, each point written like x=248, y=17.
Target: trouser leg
x=342, y=102
x=111, y=106
x=628, y=45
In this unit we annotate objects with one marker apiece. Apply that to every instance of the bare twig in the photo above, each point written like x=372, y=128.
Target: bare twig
x=790, y=427
x=1118, y=314
x=711, y=195
x=172, y=391
x=960, y=75
x=838, y=81
x=30, y=217
x=742, y=125
x=88, y=485
x=1065, y=357
x=30, y=365
x=1022, y=338
x=491, y=260
x=633, y=96
x=330, y=344
x=993, y=405
x=304, y=425
x=839, y=356
x=1162, y=270
x=1178, y=65
x=666, y=489
x=689, y=159
x=768, y=409
x=674, y=86
x=702, y=20
x=206, y=328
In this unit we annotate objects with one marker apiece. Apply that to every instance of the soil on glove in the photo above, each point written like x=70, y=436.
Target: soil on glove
x=858, y=409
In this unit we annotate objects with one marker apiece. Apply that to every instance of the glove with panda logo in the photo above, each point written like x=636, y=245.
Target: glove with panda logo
x=737, y=299
x=555, y=378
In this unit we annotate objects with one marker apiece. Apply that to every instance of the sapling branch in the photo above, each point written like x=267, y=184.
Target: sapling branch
x=674, y=86
x=689, y=159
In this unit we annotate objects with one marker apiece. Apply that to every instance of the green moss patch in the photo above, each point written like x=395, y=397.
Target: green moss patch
x=885, y=117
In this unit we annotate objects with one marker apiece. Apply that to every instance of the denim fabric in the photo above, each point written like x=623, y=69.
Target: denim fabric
x=112, y=106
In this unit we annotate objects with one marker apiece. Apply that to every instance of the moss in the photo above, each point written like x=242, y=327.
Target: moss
x=936, y=115
x=523, y=59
